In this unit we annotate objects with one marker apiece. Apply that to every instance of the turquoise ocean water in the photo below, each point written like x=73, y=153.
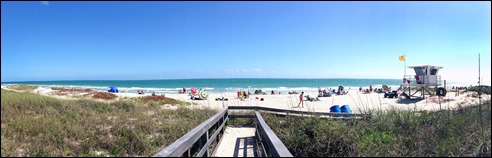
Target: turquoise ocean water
x=219, y=85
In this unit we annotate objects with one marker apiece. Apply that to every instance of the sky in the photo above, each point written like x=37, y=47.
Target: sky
x=44, y=40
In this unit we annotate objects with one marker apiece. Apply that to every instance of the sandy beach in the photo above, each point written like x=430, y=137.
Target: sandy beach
x=357, y=101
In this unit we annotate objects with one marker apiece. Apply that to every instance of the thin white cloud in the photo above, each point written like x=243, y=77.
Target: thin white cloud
x=45, y=3
x=243, y=71
x=232, y=71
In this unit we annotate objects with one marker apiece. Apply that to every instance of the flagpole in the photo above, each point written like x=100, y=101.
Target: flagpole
x=405, y=62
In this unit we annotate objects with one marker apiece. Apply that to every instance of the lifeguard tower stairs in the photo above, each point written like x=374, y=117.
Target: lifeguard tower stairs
x=425, y=77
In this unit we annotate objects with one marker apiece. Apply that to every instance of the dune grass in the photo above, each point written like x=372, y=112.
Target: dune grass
x=22, y=87
x=393, y=133
x=156, y=101
x=63, y=89
x=35, y=125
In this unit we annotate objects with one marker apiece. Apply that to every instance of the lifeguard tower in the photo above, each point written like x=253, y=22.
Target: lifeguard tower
x=425, y=76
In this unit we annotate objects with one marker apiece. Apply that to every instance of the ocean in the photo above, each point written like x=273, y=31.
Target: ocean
x=172, y=86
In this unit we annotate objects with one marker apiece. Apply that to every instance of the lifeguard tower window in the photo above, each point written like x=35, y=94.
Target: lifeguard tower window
x=420, y=71
x=433, y=71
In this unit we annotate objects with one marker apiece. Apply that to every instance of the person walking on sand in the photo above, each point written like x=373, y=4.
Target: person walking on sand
x=301, y=100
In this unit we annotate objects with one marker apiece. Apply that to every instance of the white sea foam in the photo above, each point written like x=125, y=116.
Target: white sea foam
x=234, y=88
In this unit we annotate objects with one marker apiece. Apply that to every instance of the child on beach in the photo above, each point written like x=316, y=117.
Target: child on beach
x=301, y=100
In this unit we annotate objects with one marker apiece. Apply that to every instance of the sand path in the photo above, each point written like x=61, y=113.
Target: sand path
x=237, y=142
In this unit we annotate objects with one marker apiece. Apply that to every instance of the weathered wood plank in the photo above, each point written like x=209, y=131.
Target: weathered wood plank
x=262, y=151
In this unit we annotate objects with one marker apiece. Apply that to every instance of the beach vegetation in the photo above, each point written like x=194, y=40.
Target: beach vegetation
x=104, y=96
x=22, y=87
x=242, y=121
x=392, y=133
x=36, y=125
x=157, y=100
x=63, y=89
x=78, y=93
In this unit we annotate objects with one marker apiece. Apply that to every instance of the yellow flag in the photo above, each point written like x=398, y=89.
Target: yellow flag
x=401, y=57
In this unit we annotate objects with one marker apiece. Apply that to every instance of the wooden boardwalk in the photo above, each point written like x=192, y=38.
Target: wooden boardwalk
x=234, y=141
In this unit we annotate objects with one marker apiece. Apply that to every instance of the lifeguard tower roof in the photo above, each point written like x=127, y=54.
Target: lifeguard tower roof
x=426, y=65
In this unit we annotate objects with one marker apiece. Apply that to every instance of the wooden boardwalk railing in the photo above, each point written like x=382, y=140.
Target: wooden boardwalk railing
x=271, y=146
x=290, y=112
x=197, y=142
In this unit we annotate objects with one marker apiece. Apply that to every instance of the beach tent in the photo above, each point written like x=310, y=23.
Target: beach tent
x=113, y=89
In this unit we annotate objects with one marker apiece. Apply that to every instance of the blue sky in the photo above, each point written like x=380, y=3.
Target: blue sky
x=173, y=40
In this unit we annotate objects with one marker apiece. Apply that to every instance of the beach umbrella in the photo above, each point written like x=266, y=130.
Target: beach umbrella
x=341, y=87
x=203, y=94
x=193, y=90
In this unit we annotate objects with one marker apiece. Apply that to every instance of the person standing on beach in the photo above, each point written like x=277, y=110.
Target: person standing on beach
x=301, y=100
x=184, y=90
